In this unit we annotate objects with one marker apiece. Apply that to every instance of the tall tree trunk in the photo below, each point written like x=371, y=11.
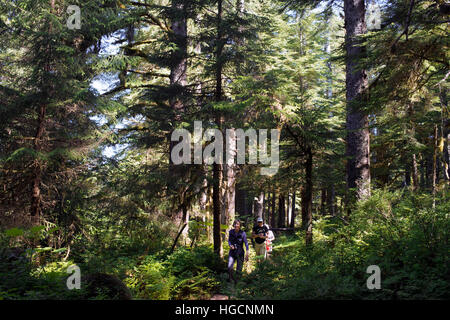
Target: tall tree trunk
x=435, y=178
x=281, y=211
x=218, y=168
x=203, y=201
x=447, y=150
x=259, y=205
x=447, y=154
x=358, y=143
x=249, y=204
x=210, y=215
x=217, y=208
x=266, y=203
x=438, y=162
x=178, y=75
x=240, y=41
x=307, y=193
x=414, y=173
x=429, y=170
x=35, y=209
x=289, y=210
x=423, y=171
x=36, y=187
x=331, y=200
x=273, y=220
x=330, y=190
x=407, y=176
x=240, y=200
x=229, y=188
x=292, y=222
x=178, y=81
x=229, y=192
x=304, y=207
x=445, y=129
x=185, y=221
x=323, y=201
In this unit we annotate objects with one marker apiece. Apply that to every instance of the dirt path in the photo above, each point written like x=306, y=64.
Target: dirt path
x=231, y=287
x=219, y=296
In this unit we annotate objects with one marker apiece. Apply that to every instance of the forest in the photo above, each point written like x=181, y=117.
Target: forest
x=134, y=133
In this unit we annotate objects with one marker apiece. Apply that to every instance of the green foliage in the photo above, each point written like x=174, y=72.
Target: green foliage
x=281, y=65
x=195, y=271
x=396, y=231
x=20, y=279
x=184, y=274
x=150, y=280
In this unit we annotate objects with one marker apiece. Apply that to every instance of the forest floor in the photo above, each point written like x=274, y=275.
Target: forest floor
x=254, y=270
x=406, y=240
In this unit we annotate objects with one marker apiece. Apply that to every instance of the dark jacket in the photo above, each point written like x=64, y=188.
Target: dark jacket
x=238, y=241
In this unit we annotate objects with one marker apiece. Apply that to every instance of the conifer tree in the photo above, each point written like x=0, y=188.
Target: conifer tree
x=47, y=104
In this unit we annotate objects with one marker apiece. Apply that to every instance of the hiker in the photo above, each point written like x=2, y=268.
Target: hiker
x=269, y=240
x=259, y=233
x=236, y=240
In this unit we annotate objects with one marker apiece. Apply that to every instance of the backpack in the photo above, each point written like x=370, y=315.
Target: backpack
x=270, y=234
x=270, y=238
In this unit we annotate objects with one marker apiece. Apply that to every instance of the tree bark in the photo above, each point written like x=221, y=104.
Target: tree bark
x=323, y=201
x=36, y=187
x=177, y=237
x=281, y=211
x=178, y=81
x=178, y=76
x=330, y=190
x=217, y=208
x=445, y=132
x=229, y=195
x=429, y=170
x=259, y=205
x=435, y=178
x=331, y=200
x=358, y=143
x=218, y=168
x=35, y=209
x=240, y=200
x=447, y=150
x=273, y=220
x=423, y=170
x=307, y=193
x=204, y=191
x=414, y=173
x=231, y=167
x=292, y=222
x=407, y=178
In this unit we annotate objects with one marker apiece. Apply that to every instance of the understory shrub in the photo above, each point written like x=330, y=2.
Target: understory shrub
x=399, y=232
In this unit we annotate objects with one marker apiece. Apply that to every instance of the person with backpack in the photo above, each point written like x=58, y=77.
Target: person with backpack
x=236, y=240
x=269, y=239
x=259, y=233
